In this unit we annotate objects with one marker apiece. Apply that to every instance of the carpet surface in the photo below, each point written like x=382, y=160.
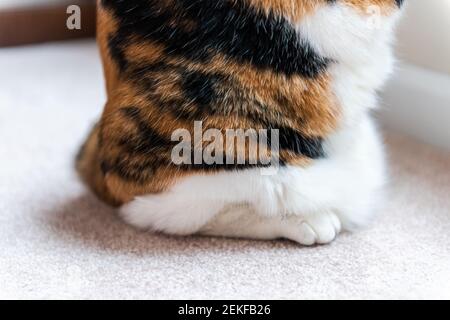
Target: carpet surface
x=58, y=241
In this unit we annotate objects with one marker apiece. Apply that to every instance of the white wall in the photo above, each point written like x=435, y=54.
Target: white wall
x=424, y=34
x=7, y=4
x=416, y=101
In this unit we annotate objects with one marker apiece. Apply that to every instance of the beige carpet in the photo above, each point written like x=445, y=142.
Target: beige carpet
x=58, y=241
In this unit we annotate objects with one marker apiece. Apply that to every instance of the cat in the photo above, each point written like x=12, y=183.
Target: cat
x=307, y=70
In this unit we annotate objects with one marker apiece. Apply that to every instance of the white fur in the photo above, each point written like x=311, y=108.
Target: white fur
x=308, y=205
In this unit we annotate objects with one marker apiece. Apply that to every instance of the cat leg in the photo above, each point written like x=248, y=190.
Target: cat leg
x=193, y=202
x=334, y=192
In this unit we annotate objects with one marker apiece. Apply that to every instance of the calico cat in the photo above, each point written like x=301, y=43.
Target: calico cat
x=306, y=69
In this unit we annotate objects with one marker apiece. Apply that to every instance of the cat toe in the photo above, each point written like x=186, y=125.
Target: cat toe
x=316, y=229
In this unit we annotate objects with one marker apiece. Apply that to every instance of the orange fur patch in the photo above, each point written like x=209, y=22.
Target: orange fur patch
x=291, y=9
x=366, y=7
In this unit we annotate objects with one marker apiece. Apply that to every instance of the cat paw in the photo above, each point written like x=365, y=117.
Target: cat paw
x=321, y=228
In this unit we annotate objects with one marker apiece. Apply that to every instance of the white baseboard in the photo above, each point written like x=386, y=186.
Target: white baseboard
x=416, y=101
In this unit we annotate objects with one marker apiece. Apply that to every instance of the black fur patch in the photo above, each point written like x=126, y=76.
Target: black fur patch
x=235, y=30
x=291, y=140
x=200, y=88
x=146, y=141
x=399, y=2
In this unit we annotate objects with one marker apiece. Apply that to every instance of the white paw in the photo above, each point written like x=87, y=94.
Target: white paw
x=143, y=212
x=320, y=228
